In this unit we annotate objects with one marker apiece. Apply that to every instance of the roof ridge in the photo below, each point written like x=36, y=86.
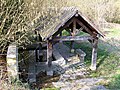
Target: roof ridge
x=72, y=8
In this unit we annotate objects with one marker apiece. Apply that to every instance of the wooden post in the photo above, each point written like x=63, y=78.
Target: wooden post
x=49, y=53
x=60, y=35
x=72, y=47
x=94, y=54
x=73, y=34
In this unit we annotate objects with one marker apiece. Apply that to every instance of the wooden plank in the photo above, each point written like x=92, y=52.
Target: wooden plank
x=57, y=55
x=59, y=58
x=78, y=31
x=74, y=28
x=94, y=54
x=73, y=34
x=72, y=38
x=80, y=52
x=60, y=35
x=49, y=53
x=63, y=50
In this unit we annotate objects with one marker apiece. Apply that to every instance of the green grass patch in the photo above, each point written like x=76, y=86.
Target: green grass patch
x=115, y=83
x=108, y=59
x=111, y=33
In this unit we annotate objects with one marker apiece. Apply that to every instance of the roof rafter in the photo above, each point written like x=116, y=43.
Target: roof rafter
x=85, y=27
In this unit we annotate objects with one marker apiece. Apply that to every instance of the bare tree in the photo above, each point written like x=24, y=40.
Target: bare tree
x=13, y=23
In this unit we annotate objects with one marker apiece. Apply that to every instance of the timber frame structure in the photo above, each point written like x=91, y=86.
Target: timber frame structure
x=73, y=22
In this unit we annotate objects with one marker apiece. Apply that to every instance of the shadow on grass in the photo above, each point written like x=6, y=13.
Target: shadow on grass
x=87, y=48
x=104, y=55
x=115, y=83
x=107, y=60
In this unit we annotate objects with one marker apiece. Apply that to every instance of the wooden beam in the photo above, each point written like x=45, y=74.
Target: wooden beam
x=78, y=30
x=68, y=23
x=59, y=58
x=57, y=33
x=86, y=28
x=61, y=33
x=94, y=54
x=73, y=34
x=74, y=27
x=49, y=53
x=72, y=38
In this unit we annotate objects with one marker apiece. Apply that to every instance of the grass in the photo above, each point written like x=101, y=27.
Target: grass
x=108, y=60
x=18, y=85
x=115, y=82
x=113, y=32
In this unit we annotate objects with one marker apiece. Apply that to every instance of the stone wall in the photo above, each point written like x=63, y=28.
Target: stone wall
x=12, y=62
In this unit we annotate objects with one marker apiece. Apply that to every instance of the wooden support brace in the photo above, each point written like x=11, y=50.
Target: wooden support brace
x=73, y=34
x=49, y=53
x=86, y=28
x=94, y=54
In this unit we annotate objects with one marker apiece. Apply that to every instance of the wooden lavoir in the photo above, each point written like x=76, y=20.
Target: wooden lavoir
x=73, y=22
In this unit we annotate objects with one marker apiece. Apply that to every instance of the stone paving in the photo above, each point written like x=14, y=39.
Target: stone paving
x=73, y=79
x=72, y=74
